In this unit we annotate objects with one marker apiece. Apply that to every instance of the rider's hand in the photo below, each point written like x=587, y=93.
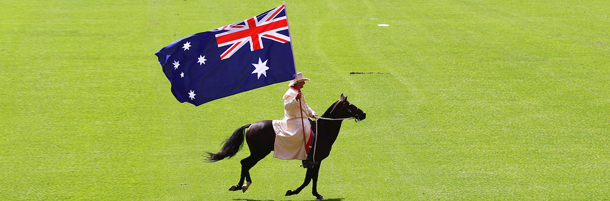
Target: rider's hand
x=298, y=96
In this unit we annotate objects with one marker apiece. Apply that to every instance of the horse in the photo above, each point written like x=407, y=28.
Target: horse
x=260, y=137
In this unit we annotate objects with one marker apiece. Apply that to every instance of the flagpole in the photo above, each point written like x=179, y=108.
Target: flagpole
x=291, y=47
x=295, y=78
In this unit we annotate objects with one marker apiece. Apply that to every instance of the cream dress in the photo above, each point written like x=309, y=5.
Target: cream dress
x=289, y=140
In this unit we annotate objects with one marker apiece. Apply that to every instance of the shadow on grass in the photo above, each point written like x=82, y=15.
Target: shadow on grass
x=332, y=199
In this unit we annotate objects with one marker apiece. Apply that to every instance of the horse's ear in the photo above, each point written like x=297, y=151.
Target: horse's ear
x=343, y=98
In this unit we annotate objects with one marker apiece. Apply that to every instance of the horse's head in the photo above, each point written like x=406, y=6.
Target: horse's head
x=345, y=109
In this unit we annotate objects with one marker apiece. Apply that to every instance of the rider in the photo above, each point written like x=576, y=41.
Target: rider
x=296, y=126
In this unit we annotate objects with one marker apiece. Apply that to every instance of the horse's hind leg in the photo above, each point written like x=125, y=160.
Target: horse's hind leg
x=260, y=138
x=239, y=185
x=246, y=165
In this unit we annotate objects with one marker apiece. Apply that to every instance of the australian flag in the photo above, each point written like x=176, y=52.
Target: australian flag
x=231, y=59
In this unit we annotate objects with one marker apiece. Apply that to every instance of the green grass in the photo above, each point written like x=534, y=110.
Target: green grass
x=485, y=100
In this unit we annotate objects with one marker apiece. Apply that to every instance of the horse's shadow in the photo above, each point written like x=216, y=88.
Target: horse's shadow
x=332, y=199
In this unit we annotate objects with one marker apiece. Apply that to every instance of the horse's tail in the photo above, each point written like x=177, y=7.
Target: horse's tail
x=232, y=145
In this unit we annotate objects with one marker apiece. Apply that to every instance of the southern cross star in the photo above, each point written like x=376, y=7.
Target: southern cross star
x=186, y=46
x=201, y=60
x=260, y=68
x=192, y=94
x=176, y=64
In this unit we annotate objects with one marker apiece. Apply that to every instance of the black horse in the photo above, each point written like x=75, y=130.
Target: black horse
x=261, y=137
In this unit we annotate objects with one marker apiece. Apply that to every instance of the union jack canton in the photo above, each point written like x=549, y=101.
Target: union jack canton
x=253, y=30
x=211, y=65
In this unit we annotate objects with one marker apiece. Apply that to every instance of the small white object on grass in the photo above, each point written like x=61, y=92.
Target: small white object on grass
x=383, y=25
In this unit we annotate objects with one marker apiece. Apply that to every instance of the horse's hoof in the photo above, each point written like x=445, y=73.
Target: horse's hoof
x=320, y=197
x=233, y=188
x=288, y=193
x=245, y=187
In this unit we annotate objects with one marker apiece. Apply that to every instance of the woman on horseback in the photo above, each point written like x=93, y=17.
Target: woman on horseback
x=294, y=130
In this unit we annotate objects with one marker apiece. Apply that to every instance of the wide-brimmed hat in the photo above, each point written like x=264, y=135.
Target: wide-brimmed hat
x=299, y=78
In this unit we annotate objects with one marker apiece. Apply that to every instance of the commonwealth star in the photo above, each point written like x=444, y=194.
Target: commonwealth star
x=260, y=68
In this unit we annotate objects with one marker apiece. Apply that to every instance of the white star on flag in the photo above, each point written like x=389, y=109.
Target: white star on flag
x=261, y=68
x=186, y=46
x=176, y=64
x=192, y=94
x=182, y=75
x=201, y=60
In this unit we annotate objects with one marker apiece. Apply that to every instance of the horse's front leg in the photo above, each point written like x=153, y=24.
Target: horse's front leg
x=305, y=183
x=314, y=188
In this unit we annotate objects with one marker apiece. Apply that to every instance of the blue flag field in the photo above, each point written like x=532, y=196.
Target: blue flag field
x=231, y=59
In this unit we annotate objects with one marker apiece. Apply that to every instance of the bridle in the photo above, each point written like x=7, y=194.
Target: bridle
x=354, y=115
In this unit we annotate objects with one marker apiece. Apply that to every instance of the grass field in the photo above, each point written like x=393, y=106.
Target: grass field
x=484, y=100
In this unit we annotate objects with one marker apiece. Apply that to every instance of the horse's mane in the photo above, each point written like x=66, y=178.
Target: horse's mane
x=330, y=109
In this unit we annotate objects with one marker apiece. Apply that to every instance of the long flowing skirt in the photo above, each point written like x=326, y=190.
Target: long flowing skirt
x=289, y=140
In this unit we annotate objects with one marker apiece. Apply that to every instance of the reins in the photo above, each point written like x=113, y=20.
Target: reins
x=315, y=142
x=335, y=119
